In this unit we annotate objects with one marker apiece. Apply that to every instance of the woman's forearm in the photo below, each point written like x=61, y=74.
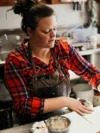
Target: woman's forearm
x=52, y=104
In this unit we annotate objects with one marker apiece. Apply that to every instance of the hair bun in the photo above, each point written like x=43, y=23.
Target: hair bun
x=22, y=5
x=19, y=6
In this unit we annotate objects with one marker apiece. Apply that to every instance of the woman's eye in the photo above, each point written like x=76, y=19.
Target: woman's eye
x=46, y=32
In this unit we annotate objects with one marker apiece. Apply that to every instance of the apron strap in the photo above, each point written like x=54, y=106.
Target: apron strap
x=32, y=60
x=58, y=66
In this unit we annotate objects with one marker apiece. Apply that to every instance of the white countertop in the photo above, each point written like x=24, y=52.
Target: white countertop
x=81, y=125
x=20, y=129
x=78, y=123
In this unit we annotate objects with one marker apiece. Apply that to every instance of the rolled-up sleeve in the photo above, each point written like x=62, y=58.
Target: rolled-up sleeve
x=83, y=68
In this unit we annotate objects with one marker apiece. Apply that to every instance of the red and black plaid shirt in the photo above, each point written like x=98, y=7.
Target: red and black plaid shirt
x=19, y=71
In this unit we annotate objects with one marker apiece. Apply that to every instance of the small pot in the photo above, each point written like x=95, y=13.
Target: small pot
x=58, y=124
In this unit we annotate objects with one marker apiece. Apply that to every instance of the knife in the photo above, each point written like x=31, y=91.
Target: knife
x=86, y=119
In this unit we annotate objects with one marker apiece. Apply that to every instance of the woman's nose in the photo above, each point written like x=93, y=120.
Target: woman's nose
x=53, y=33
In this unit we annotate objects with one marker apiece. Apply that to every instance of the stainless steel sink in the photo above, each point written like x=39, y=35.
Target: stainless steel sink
x=10, y=39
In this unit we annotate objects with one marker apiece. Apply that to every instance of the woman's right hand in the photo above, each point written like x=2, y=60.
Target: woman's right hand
x=77, y=106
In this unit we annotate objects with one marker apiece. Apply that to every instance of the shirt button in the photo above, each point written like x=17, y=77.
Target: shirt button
x=53, y=93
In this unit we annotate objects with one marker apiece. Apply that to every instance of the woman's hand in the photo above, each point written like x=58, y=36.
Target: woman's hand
x=77, y=106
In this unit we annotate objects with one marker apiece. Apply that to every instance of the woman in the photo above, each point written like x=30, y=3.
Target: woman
x=36, y=73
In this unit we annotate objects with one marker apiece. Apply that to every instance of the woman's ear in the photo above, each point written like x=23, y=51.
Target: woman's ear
x=29, y=32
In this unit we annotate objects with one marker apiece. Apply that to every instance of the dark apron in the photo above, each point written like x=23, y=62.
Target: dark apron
x=49, y=86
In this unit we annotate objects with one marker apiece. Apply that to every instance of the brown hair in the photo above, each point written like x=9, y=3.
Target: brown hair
x=31, y=11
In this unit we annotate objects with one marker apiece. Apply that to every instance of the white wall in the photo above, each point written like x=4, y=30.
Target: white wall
x=65, y=15
x=9, y=19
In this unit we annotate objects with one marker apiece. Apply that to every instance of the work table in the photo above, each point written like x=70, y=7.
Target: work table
x=19, y=129
x=89, y=124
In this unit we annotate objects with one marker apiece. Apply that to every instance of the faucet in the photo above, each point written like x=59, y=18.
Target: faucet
x=6, y=37
x=1, y=41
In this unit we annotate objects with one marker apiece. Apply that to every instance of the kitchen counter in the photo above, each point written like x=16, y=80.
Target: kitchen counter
x=89, y=124
x=20, y=129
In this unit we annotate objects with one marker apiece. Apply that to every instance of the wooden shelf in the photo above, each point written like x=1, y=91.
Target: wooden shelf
x=98, y=1
x=54, y=2
x=6, y=2
x=11, y=2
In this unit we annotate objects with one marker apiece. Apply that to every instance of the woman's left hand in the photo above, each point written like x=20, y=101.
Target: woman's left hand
x=77, y=106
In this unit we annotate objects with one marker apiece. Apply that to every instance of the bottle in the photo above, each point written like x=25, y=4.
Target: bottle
x=93, y=41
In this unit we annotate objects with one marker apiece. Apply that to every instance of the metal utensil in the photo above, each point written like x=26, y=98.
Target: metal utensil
x=87, y=120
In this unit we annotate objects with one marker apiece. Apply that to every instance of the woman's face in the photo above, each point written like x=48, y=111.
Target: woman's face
x=45, y=33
